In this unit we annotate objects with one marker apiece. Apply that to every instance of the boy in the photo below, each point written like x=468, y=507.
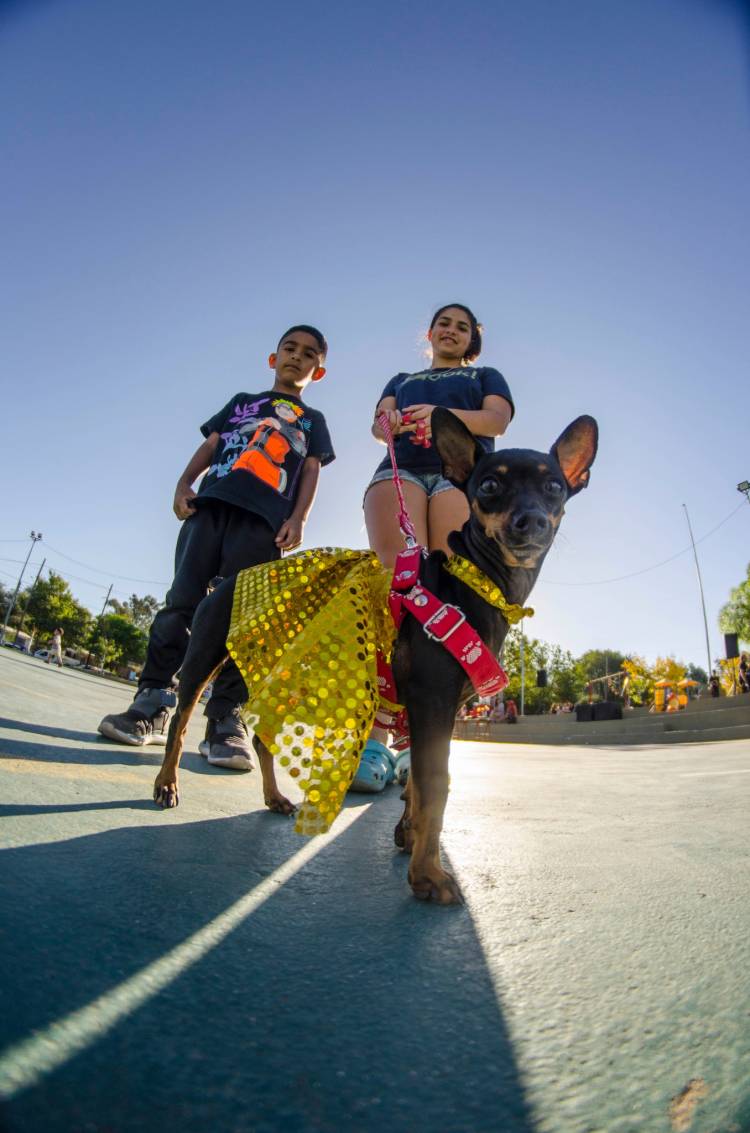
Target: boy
x=263, y=453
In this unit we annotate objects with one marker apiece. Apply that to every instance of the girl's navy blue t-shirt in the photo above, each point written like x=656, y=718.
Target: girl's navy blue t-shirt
x=464, y=387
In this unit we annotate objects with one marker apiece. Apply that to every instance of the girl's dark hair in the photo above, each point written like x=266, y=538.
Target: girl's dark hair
x=474, y=349
x=316, y=334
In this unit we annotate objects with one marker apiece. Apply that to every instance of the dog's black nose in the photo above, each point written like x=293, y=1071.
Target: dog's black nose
x=531, y=523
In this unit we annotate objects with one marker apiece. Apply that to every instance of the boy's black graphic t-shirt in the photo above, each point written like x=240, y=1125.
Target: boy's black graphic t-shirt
x=464, y=387
x=264, y=439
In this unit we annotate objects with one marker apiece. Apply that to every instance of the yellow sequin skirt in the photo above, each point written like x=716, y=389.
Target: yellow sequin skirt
x=304, y=633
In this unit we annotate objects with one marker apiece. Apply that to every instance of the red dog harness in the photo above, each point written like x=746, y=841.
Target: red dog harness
x=443, y=623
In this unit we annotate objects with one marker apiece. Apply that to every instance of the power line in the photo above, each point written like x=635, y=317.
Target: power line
x=646, y=570
x=545, y=581
x=108, y=573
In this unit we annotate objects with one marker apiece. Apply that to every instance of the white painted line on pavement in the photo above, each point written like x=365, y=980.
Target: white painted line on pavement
x=25, y=1063
x=704, y=774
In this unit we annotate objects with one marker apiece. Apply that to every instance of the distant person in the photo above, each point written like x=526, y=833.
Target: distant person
x=262, y=457
x=54, y=648
x=744, y=673
x=511, y=712
x=714, y=685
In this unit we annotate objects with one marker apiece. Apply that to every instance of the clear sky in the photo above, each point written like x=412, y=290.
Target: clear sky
x=182, y=181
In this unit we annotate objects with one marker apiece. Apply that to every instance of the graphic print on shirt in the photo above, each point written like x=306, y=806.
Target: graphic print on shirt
x=264, y=433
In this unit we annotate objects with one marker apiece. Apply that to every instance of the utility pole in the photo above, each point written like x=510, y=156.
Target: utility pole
x=700, y=587
x=35, y=537
x=31, y=591
x=523, y=671
x=104, y=607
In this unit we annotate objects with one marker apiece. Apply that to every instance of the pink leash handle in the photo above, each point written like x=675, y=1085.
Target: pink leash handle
x=404, y=522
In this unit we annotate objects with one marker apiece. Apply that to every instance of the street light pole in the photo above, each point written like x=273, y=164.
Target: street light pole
x=744, y=487
x=523, y=671
x=700, y=587
x=35, y=537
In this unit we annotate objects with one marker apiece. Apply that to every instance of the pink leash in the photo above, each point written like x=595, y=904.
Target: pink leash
x=441, y=621
x=404, y=522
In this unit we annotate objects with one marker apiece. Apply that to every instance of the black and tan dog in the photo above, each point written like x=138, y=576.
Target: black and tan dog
x=517, y=499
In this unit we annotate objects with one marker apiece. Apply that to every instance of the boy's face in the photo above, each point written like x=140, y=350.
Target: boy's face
x=297, y=361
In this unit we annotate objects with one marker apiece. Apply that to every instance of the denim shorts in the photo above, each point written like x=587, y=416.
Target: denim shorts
x=431, y=483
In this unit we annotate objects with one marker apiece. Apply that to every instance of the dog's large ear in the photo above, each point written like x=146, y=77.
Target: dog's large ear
x=457, y=447
x=575, y=450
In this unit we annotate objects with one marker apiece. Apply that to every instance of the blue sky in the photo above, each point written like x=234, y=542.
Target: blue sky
x=182, y=181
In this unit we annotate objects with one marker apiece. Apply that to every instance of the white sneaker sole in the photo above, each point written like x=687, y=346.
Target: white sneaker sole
x=111, y=733
x=233, y=762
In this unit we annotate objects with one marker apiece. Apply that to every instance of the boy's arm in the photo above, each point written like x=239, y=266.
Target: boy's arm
x=199, y=462
x=289, y=534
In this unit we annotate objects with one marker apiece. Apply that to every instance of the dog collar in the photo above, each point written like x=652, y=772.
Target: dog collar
x=470, y=574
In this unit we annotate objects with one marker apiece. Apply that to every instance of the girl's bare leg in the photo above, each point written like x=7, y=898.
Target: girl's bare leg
x=381, y=518
x=447, y=511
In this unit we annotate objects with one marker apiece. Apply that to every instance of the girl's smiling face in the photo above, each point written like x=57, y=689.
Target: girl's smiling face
x=450, y=336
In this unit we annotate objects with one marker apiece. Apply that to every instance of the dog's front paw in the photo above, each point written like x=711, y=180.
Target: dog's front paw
x=433, y=883
x=279, y=804
x=166, y=794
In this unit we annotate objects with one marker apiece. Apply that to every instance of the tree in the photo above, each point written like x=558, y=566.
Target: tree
x=597, y=663
x=559, y=665
x=119, y=640
x=669, y=669
x=639, y=682
x=564, y=684
x=5, y=599
x=696, y=673
x=734, y=616
x=139, y=611
x=50, y=604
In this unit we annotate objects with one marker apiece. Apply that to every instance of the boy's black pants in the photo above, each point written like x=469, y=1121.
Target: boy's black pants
x=220, y=539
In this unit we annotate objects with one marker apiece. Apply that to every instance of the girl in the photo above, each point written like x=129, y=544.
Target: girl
x=478, y=395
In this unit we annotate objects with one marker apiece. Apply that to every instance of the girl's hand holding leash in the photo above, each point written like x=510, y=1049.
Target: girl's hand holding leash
x=419, y=419
x=394, y=420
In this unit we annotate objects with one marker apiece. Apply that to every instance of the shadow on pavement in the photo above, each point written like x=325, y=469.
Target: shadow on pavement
x=47, y=730
x=340, y=1004
x=100, y=751
x=16, y=810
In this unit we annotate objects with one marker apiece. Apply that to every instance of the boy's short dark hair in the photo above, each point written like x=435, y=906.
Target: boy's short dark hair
x=316, y=334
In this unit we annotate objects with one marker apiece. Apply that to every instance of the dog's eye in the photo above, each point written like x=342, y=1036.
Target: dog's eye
x=553, y=488
x=489, y=484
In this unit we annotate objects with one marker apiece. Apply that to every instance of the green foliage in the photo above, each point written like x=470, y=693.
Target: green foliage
x=139, y=611
x=562, y=684
x=119, y=639
x=50, y=604
x=107, y=651
x=669, y=669
x=5, y=597
x=696, y=673
x=734, y=616
x=639, y=684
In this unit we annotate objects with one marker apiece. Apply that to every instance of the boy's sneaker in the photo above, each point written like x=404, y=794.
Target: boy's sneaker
x=145, y=722
x=227, y=743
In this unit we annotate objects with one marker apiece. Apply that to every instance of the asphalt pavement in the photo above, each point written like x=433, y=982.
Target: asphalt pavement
x=206, y=969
